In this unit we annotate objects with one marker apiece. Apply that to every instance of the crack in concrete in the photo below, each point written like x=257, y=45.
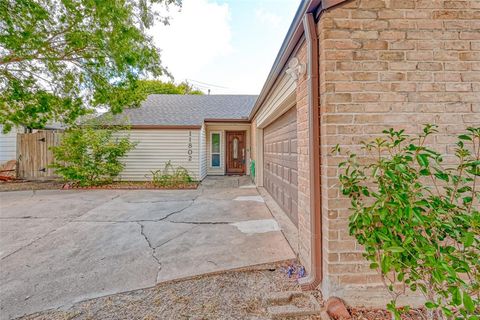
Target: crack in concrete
x=76, y=220
x=175, y=237
x=147, y=220
x=32, y=218
x=158, y=201
x=179, y=211
x=51, y=231
x=152, y=248
x=150, y=245
x=139, y=222
x=212, y=262
x=31, y=242
x=201, y=222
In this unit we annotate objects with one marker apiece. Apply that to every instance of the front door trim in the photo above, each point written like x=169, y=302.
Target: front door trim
x=235, y=166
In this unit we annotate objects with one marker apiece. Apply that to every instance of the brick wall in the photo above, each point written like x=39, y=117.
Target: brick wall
x=389, y=63
x=304, y=219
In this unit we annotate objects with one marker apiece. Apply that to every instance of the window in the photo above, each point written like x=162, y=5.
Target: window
x=215, y=152
x=235, y=148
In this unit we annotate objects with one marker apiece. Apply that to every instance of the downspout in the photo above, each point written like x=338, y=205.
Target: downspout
x=315, y=277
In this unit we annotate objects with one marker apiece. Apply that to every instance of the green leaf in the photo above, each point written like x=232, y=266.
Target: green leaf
x=430, y=305
x=468, y=239
x=395, y=249
x=385, y=264
x=464, y=137
x=422, y=160
x=456, y=296
x=447, y=312
x=468, y=303
x=383, y=237
x=425, y=172
x=442, y=176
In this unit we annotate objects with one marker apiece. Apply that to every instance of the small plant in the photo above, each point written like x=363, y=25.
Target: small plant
x=170, y=176
x=252, y=168
x=91, y=155
x=418, y=219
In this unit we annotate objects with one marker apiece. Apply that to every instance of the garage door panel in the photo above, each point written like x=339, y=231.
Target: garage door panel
x=281, y=162
x=293, y=146
x=294, y=177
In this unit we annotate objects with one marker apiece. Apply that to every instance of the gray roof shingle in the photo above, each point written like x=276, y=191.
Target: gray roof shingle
x=185, y=110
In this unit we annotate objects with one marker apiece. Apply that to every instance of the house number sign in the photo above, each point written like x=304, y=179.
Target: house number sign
x=190, y=147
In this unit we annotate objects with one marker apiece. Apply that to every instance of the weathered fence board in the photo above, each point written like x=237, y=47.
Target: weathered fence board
x=34, y=155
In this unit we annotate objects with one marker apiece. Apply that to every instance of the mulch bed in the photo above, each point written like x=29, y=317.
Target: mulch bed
x=25, y=185
x=134, y=185
x=382, y=314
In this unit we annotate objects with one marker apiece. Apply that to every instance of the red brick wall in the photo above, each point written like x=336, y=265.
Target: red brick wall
x=389, y=63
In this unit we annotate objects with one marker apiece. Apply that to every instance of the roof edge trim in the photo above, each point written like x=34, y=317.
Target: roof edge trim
x=174, y=127
x=227, y=120
x=294, y=34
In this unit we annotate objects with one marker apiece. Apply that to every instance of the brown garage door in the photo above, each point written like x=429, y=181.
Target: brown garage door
x=280, y=162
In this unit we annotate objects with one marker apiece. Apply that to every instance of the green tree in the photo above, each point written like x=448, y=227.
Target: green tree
x=61, y=58
x=160, y=87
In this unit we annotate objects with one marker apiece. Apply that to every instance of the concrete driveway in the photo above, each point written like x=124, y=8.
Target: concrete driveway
x=59, y=247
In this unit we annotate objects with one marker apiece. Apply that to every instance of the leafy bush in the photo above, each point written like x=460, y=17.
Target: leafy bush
x=90, y=155
x=170, y=176
x=418, y=219
x=252, y=168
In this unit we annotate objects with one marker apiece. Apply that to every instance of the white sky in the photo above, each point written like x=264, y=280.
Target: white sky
x=226, y=46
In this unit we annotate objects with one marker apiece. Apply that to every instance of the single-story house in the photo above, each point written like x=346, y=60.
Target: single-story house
x=205, y=134
x=346, y=70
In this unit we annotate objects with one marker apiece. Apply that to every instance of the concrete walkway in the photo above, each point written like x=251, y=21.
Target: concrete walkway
x=61, y=247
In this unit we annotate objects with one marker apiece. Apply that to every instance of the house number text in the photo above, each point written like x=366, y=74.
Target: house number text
x=190, y=150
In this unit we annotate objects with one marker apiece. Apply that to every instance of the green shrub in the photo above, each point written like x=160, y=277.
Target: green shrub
x=252, y=168
x=170, y=176
x=419, y=219
x=90, y=155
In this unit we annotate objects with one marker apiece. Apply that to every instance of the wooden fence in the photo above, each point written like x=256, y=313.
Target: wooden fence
x=34, y=155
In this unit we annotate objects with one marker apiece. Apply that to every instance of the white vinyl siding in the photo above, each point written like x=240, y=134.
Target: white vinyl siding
x=278, y=102
x=157, y=147
x=203, y=152
x=8, y=145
